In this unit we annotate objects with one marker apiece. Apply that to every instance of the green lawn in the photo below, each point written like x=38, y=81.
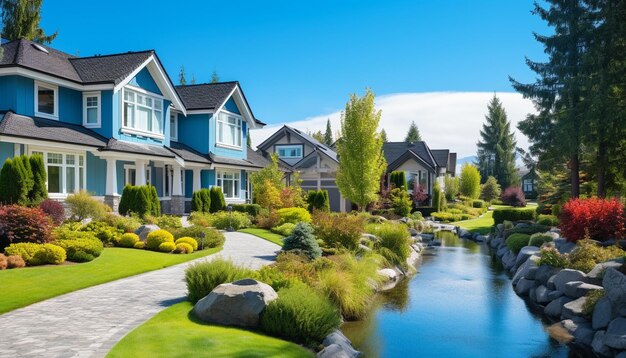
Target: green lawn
x=484, y=223
x=21, y=287
x=174, y=332
x=265, y=234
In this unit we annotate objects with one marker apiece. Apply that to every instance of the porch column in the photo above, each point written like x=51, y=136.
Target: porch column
x=178, y=200
x=111, y=197
x=197, y=179
x=140, y=172
x=178, y=182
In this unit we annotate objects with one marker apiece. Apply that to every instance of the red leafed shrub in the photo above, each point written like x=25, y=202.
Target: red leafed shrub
x=21, y=224
x=514, y=196
x=54, y=209
x=419, y=194
x=602, y=219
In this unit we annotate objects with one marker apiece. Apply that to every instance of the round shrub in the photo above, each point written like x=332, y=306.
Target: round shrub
x=182, y=248
x=303, y=241
x=103, y=231
x=21, y=224
x=188, y=240
x=514, y=196
x=139, y=245
x=515, y=242
x=167, y=246
x=206, y=237
x=547, y=220
x=602, y=219
x=25, y=250
x=15, y=261
x=285, y=229
x=294, y=215
x=157, y=237
x=81, y=249
x=54, y=210
x=3, y=262
x=301, y=315
x=80, y=256
x=48, y=254
x=128, y=240
x=539, y=239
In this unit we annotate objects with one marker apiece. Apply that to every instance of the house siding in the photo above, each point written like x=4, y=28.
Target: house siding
x=96, y=174
x=194, y=131
x=17, y=94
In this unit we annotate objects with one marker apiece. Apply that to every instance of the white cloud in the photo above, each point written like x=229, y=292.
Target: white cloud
x=445, y=119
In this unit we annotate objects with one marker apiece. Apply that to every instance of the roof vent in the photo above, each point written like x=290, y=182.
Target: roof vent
x=40, y=48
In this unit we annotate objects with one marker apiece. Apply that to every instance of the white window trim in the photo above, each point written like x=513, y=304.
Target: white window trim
x=55, y=89
x=139, y=132
x=63, y=166
x=217, y=135
x=219, y=173
x=290, y=146
x=98, y=123
x=133, y=166
x=169, y=123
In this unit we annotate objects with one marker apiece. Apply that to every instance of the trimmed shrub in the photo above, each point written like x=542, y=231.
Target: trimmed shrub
x=54, y=210
x=547, y=220
x=203, y=277
x=251, y=209
x=398, y=179
x=515, y=242
x=294, y=215
x=123, y=223
x=141, y=200
x=139, y=245
x=206, y=237
x=15, y=261
x=13, y=186
x=318, y=200
x=21, y=224
x=528, y=230
x=37, y=254
x=490, y=191
x=3, y=262
x=539, y=239
x=499, y=215
x=588, y=254
x=469, y=181
x=601, y=219
x=478, y=204
x=196, y=201
x=168, y=222
x=224, y=220
x=39, y=191
x=128, y=240
x=300, y=315
x=81, y=250
x=167, y=246
x=188, y=240
x=393, y=243
x=285, y=229
x=104, y=232
x=303, y=241
x=550, y=256
x=182, y=248
x=200, y=218
x=338, y=230
x=26, y=250
x=217, y=199
x=157, y=237
x=201, y=200
x=513, y=196
x=82, y=206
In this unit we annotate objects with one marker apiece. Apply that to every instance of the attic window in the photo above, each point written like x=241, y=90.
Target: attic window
x=40, y=48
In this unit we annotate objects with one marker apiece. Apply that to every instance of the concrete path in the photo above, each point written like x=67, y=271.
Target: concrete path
x=88, y=322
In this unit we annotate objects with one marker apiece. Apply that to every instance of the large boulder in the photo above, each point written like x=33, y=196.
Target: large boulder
x=581, y=331
x=615, y=336
x=544, y=272
x=598, y=345
x=614, y=283
x=574, y=308
x=144, y=230
x=601, y=314
x=596, y=274
x=522, y=271
x=337, y=338
x=577, y=289
x=525, y=253
x=508, y=261
x=334, y=351
x=554, y=308
x=541, y=294
x=565, y=276
x=524, y=286
x=236, y=304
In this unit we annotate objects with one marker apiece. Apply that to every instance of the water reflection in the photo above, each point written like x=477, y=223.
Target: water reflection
x=460, y=304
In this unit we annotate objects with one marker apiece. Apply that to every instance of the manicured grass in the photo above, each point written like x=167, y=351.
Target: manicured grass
x=483, y=224
x=22, y=287
x=265, y=234
x=175, y=332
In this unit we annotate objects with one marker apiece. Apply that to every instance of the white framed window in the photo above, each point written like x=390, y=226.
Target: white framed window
x=229, y=131
x=528, y=185
x=130, y=174
x=174, y=126
x=91, y=109
x=289, y=151
x=230, y=182
x=46, y=100
x=66, y=171
x=142, y=113
x=168, y=180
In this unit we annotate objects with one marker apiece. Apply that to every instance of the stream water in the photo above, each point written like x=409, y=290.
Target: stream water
x=459, y=304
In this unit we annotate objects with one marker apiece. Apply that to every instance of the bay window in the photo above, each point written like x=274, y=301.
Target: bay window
x=230, y=182
x=142, y=113
x=229, y=129
x=66, y=172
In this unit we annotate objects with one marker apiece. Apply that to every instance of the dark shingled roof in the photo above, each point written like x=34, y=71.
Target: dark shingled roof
x=452, y=163
x=188, y=153
x=254, y=160
x=321, y=147
x=109, y=68
x=16, y=125
x=441, y=157
x=394, y=150
x=115, y=145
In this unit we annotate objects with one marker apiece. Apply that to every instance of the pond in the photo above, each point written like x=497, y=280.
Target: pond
x=459, y=304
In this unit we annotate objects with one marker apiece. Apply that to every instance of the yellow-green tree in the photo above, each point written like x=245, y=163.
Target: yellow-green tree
x=469, y=184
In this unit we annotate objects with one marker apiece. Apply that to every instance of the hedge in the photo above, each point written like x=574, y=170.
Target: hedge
x=217, y=199
x=142, y=200
x=500, y=215
x=318, y=200
x=201, y=200
x=251, y=209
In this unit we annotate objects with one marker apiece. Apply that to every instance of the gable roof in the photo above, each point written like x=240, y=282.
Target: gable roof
x=305, y=137
x=441, y=157
x=109, y=68
x=394, y=150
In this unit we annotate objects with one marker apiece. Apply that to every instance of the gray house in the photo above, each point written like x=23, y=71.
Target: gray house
x=316, y=162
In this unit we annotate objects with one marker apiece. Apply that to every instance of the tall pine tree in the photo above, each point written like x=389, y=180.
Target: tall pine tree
x=413, y=134
x=181, y=76
x=214, y=77
x=328, y=135
x=20, y=19
x=496, y=148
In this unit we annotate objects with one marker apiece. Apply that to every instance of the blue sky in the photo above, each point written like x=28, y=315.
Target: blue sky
x=300, y=59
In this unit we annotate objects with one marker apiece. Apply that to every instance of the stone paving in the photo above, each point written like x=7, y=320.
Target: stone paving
x=88, y=322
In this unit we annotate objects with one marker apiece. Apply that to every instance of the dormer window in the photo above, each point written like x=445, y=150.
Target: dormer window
x=143, y=114
x=229, y=129
x=91, y=109
x=46, y=100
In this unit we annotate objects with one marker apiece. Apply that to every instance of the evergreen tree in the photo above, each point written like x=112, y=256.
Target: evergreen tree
x=496, y=149
x=20, y=19
x=469, y=182
x=39, y=191
x=214, y=77
x=328, y=135
x=360, y=149
x=181, y=76
x=383, y=136
x=317, y=135
x=413, y=134
x=490, y=190
x=559, y=94
x=193, y=79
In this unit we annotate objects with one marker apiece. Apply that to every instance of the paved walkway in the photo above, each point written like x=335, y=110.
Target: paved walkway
x=88, y=322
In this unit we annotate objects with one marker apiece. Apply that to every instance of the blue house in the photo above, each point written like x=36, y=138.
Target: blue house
x=103, y=122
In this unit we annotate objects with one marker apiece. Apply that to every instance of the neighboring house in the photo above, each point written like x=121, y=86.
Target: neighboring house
x=316, y=162
x=529, y=184
x=420, y=163
x=102, y=122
